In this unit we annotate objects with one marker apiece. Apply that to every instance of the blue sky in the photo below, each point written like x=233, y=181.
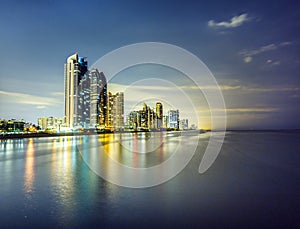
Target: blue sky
x=251, y=48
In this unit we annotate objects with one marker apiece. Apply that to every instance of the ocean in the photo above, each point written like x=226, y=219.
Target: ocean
x=52, y=182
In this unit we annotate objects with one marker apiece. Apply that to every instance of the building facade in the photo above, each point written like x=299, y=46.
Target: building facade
x=85, y=95
x=52, y=123
x=184, y=124
x=83, y=102
x=144, y=119
x=98, y=98
x=115, y=111
x=12, y=125
x=173, y=119
x=75, y=69
x=159, y=115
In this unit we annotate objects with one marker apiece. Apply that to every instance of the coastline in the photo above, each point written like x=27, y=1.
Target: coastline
x=43, y=134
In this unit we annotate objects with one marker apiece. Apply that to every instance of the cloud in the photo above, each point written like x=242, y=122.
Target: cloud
x=41, y=107
x=152, y=89
x=234, y=22
x=58, y=93
x=272, y=62
x=250, y=53
x=170, y=88
x=271, y=89
x=220, y=87
x=251, y=110
x=241, y=110
x=22, y=98
x=247, y=59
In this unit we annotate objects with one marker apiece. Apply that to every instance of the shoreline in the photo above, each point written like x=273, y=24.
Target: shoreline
x=43, y=134
x=40, y=135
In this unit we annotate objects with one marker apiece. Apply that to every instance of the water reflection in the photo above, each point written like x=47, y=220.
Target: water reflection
x=62, y=177
x=29, y=168
x=136, y=157
x=137, y=150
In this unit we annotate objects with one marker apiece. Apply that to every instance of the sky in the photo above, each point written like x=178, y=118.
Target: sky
x=251, y=48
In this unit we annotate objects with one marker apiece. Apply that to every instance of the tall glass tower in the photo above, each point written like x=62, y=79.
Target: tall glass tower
x=159, y=114
x=75, y=69
x=98, y=98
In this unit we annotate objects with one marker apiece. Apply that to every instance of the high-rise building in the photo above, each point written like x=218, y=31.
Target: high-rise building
x=173, y=119
x=103, y=99
x=159, y=115
x=85, y=94
x=115, y=110
x=92, y=99
x=134, y=120
x=98, y=98
x=184, y=124
x=144, y=119
x=84, y=102
x=75, y=69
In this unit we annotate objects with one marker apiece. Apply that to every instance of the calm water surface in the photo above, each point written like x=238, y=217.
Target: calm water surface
x=255, y=182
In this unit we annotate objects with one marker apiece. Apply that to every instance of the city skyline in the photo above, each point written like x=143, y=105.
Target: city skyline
x=251, y=48
x=88, y=104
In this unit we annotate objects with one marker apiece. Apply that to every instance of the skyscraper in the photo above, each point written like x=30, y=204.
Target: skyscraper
x=184, y=124
x=75, y=68
x=115, y=110
x=98, y=98
x=144, y=119
x=83, y=102
x=92, y=99
x=173, y=119
x=159, y=115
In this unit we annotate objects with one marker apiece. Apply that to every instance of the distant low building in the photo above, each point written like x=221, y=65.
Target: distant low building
x=51, y=123
x=194, y=127
x=12, y=125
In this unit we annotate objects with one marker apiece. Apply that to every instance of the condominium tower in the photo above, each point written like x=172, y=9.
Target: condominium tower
x=115, y=111
x=159, y=114
x=173, y=119
x=98, y=98
x=75, y=68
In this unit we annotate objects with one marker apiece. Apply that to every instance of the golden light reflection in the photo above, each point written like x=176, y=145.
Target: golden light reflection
x=135, y=152
x=107, y=142
x=29, y=167
x=62, y=173
x=53, y=155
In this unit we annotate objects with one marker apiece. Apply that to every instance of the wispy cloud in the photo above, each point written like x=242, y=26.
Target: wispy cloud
x=271, y=89
x=41, y=107
x=248, y=54
x=265, y=48
x=58, y=93
x=242, y=110
x=148, y=89
x=234, y=22
x=252, y=109
x=22, y=98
